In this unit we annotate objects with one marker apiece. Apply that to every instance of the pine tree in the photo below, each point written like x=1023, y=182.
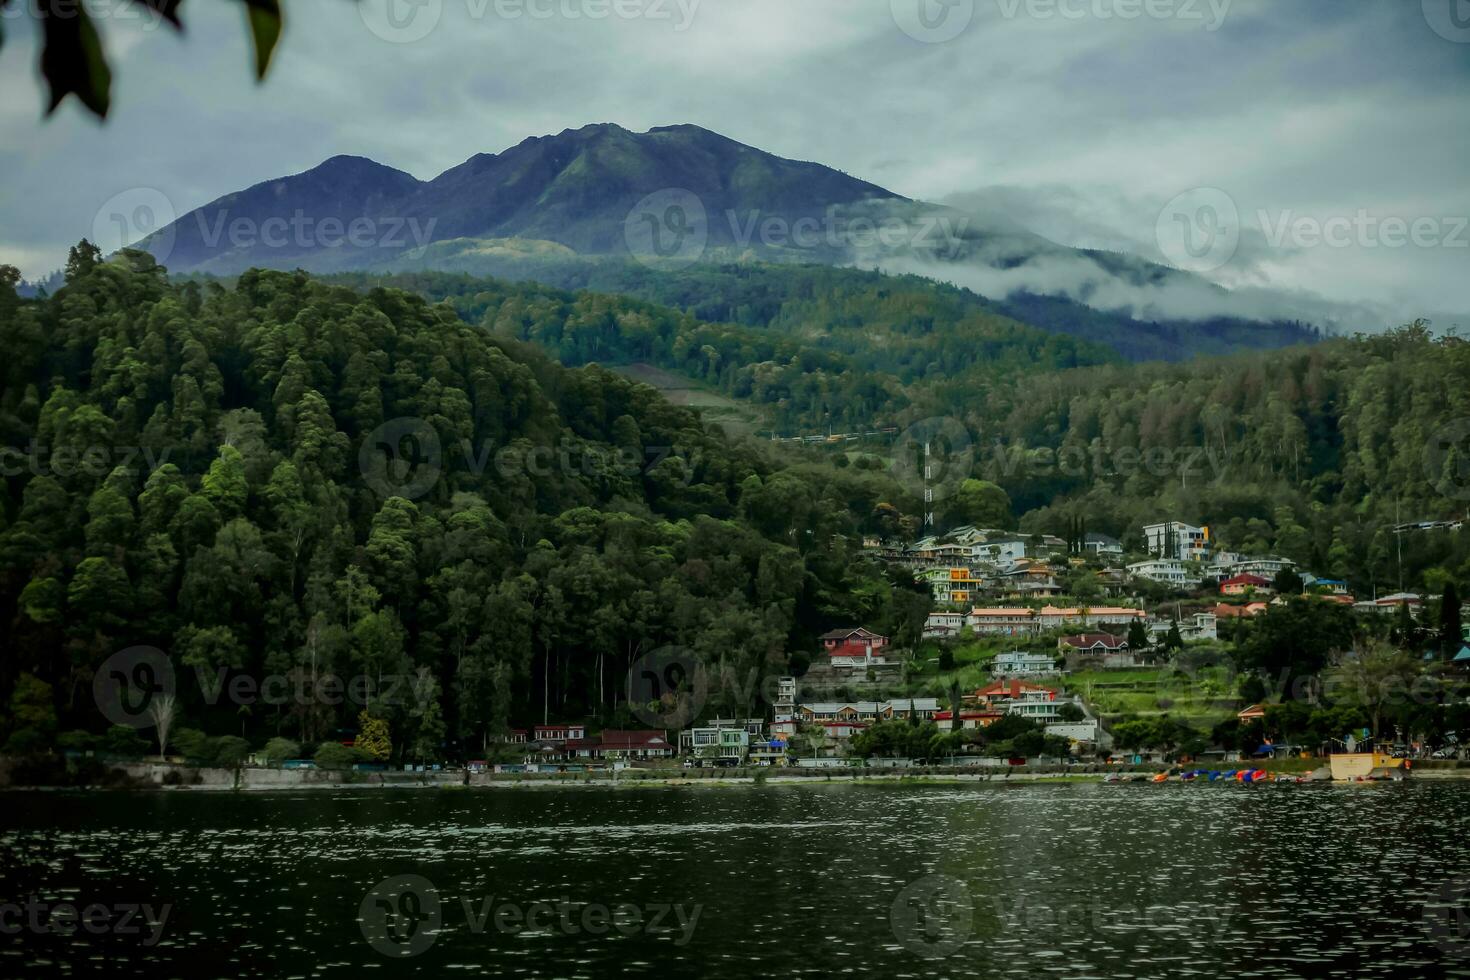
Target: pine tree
x=1137, y=635
x=1450, y=630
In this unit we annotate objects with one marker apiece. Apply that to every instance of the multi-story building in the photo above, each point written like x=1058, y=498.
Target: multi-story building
x=618, y=743
x=1200, y=626
x=1175, y=539
x=1266, y=568
x=942, y=625
x=1244, y=584
x=998, y=551
x=954, y=585
x=855, y=646
x=843, y=719
x=1102, y=545
x=969, y=718
x=726, y=737
x=784, y=720
x=1168, y=571
x=560, y=733
x=1018, y=698
x=1017, y=620
x=1019, y=663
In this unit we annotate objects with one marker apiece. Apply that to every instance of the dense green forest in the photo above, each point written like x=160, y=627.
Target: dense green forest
x=289, y=476
x=812, y=346
x=836, y=305
x=1314, y=452
x=217, y=471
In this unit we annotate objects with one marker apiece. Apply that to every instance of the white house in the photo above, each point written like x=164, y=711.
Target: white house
x=999, y=551
x=1013, y=620
x=1175, y=539
x=941, y=625
x=1169, y=571
x=1102, y=545
x=843, y=719
x=1086, y=732
x=1266, y=568
x=1043, y=708
x=1019, y=663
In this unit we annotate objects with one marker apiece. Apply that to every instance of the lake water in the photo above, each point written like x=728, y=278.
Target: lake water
x=1076, y=880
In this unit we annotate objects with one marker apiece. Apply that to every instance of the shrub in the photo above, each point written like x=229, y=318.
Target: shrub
x=193, y=744
x=278, y=750
x=122, y=740
x=334, y=755
x=26, y=741
x=78, y=741
x=230, y=750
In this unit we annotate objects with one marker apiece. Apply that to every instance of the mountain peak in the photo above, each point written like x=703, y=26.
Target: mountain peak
x=349, y=165
x=574, y=188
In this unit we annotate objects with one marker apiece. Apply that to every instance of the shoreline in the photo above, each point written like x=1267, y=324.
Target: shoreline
x=625, y=782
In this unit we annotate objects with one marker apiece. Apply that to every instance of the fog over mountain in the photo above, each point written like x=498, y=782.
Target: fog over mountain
x=1078, y=125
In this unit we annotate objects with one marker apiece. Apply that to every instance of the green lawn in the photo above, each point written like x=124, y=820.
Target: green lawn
x=1201, y=699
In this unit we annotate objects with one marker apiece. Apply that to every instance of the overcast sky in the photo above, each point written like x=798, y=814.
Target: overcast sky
x=1081, y=119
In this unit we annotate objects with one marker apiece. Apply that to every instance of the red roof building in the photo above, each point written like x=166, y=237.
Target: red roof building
x=854, y=636
x=1003, y=692
x=1250, y=713
x=969, y=718
x=633, y=744
x=560, y=733
x=1241, y=584
x=855, y=647
x=1223, y=610
x=1098, y=643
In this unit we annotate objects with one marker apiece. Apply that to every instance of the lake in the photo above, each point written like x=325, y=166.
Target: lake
x=1072, y=880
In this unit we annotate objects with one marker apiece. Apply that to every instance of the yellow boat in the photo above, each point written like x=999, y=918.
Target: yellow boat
x=1362, y=766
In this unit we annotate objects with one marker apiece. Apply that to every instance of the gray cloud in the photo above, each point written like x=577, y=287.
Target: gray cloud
x=1076, y=123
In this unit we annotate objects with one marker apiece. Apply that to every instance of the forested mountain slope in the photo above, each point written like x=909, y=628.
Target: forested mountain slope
x=292, y=477
x=1315, y=453
x=840, y=307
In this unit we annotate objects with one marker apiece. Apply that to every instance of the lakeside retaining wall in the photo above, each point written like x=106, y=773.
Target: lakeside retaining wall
x=163, y=775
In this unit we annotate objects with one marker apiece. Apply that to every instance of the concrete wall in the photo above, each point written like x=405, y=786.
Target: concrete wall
x=264, y=779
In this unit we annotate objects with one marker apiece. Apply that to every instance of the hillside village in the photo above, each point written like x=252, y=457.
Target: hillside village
x=1036, y=647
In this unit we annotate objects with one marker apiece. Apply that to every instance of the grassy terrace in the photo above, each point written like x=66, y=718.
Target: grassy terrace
x=1201, y=698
